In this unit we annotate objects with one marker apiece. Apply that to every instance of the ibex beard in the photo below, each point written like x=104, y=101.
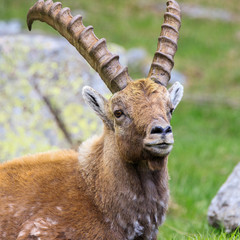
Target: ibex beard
x=116, y=186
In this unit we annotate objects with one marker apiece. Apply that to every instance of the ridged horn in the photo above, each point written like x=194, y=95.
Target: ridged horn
x=83, y=39
x=163, y=63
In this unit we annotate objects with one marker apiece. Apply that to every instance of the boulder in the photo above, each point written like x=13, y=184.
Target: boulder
x=224, y=209
x=13, y=26
x=33, y=67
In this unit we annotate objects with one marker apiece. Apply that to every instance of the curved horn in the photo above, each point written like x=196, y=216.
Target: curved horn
x=84, y=40
x=163, y=63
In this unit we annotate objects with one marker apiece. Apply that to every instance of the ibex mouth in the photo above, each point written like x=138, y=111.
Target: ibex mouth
x=163, y=145
x=158, y=148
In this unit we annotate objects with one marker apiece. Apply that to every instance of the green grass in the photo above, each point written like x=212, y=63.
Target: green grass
x=218, y=234
x=205, y=152
x=206, y=135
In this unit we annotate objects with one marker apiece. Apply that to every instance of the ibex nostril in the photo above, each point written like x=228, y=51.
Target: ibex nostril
x=157, y=130
x=168, y=129
x=160, y=130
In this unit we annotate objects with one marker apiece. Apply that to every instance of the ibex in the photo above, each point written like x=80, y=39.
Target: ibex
x=116, y=186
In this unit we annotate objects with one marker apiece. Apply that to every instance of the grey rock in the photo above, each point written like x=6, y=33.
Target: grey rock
x=176, y=76
x=198, y=11
x=2, y=132
x=60, y=72
x=138, y=60
x=136, y=56
x=224, y=209
x=10, y=27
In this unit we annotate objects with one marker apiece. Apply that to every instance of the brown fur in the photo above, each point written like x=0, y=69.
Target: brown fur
x=112, y=189
x=42, y=196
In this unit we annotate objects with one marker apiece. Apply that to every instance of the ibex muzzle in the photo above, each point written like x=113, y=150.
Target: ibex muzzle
x=159, y=140
x=159, y=136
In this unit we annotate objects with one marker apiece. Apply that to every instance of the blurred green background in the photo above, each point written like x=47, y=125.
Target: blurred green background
x=206, y=123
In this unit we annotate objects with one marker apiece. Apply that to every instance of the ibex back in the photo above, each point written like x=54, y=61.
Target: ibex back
x=116, y=186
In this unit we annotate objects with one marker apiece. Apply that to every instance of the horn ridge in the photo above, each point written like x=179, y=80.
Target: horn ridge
x=171, y=46
x=75, y=25
x=83, y=39
x=163, y=63
x=117, y=82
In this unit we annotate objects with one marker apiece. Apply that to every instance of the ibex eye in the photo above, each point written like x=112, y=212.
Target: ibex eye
x=118, y=113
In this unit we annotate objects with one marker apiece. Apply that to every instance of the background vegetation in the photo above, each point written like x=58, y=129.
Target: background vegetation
x=206, y=124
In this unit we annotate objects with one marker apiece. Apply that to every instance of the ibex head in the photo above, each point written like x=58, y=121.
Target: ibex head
x=140, y=117
x=139, y=112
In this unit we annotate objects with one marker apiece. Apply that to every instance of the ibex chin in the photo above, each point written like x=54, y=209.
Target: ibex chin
x=116, y=186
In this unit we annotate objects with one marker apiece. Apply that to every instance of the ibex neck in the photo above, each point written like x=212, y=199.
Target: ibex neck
x=131, y=197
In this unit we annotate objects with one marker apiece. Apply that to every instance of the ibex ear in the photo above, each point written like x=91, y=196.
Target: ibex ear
x=98, y=103
x=176, y=93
